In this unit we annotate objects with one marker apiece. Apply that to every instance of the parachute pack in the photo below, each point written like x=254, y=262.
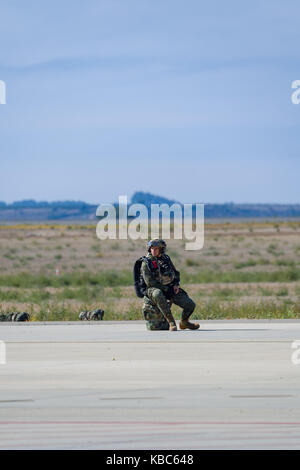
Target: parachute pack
x=139, y=283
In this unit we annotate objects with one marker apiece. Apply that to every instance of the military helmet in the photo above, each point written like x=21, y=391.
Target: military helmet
x=157, y=242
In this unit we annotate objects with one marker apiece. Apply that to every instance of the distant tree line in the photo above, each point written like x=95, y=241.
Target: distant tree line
x=30, y=209
x=32, y=204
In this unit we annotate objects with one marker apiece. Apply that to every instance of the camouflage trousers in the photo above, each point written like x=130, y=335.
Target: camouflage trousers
x=154, y=318
x=157, y=308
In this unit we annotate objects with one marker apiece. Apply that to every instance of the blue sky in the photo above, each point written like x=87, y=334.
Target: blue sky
x=190, y=100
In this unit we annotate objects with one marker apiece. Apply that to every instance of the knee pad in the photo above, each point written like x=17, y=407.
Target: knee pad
x=157, y=294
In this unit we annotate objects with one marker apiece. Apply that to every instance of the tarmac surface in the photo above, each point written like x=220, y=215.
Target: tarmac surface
x=115, y=385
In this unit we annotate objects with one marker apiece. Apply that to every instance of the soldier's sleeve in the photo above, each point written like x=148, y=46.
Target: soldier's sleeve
x=148, y=276
x=176, y=281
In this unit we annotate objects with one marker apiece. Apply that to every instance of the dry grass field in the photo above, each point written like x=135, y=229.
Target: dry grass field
x=245, y=270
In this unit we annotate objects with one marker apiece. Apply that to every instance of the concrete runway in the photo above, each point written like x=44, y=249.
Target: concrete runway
x=115, y=385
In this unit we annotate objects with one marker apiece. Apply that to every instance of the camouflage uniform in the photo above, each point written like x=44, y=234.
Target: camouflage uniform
x=15, y=316
x=155, y=320
x=160, y=293
x=91, y=314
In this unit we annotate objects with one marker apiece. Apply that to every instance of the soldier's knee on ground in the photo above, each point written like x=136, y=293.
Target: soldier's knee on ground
x=151, y=312
x=154, y=318
x=157, y=325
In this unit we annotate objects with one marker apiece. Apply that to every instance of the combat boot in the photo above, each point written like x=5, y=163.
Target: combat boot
x=172, y=326
x=185, y=324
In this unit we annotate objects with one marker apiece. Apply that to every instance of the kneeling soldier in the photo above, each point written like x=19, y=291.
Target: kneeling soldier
x=162, y=281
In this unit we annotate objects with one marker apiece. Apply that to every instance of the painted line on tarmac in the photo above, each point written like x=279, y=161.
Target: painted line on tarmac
x=156, y=342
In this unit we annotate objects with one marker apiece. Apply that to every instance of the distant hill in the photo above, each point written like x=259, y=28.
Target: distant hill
x=147, y=199
x=30, y=210
x=227, y=209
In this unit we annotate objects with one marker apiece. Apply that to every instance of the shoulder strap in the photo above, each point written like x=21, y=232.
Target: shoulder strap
x=150, y=263
x=177, y=273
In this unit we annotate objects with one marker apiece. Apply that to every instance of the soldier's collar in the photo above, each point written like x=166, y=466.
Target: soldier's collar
x=154, y=257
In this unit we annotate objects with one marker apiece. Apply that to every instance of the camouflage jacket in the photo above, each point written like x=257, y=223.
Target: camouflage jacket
x=160, y=272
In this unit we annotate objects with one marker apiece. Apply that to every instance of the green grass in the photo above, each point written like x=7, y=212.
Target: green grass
x=284, y=262
x=191, y=262
x=106, y=279
x=125, y=278
x=214, y=309
x=266, y=292
x=23, y=295
x=206, y=310
x=252, y=262
x=291, y=274
x=227, y=293
x=245, y=264
x=83, y=293
x=282, y=292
